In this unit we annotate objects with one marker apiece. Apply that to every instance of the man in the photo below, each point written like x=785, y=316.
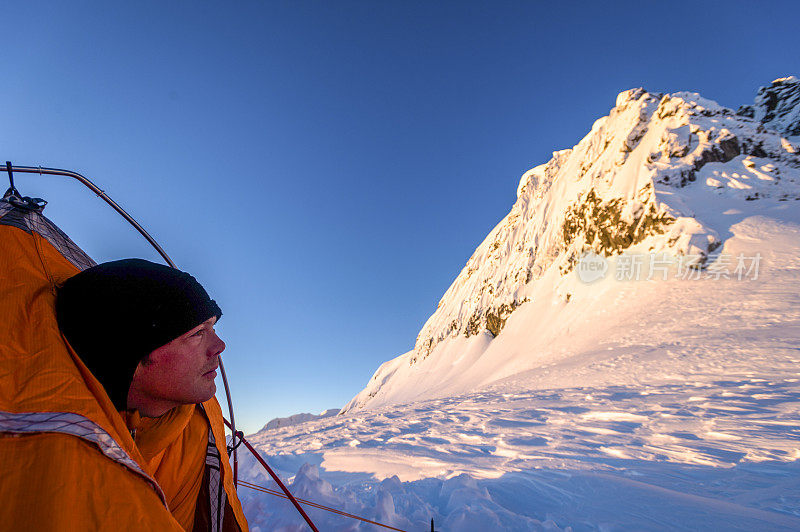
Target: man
x=126, y=436
x=146, y=332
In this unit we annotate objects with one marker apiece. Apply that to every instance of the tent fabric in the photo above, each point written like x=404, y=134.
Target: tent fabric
x=57, y=482
x=76, y=425
x=69, y=460
x=32, y=221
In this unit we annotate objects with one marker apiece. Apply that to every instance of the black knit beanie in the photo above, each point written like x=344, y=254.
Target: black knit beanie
x=116, y=313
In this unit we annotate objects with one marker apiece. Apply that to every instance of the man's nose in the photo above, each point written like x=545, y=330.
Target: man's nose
x=217, y=346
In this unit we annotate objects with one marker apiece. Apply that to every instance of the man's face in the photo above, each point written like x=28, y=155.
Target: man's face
x=180, y=372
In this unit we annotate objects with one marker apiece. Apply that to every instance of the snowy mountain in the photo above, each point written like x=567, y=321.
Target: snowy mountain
x=662, y=174
x=620, y=353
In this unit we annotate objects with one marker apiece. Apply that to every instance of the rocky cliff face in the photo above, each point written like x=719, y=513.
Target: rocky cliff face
x=631, y=182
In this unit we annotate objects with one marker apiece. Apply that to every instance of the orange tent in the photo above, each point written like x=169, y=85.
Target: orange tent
x=68, y=460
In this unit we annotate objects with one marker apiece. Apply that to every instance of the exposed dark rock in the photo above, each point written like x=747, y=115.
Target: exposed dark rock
x=754, y=148
x=730, y=147
x=473, y=325
x=493, y=320
x=746, y=111
x=775, y=106
x=604, y=229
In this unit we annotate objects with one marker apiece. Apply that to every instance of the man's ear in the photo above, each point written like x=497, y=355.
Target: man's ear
x=146, y=361
x=141, y=367
x=133, y=393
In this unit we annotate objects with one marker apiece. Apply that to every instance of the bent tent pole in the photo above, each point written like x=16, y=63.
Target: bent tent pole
x=94, y=188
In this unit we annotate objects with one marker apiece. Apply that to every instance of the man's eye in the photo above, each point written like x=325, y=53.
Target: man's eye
x=199, y=333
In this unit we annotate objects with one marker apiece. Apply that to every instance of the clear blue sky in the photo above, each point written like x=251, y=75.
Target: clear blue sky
x=326, y=168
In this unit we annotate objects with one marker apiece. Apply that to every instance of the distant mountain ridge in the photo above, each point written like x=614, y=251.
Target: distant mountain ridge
x=297, y=419
x=662, y=173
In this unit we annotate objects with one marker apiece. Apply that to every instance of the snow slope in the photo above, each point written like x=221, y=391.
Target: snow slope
x=545, y=395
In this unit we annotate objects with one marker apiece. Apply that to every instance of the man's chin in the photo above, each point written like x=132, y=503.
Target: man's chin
x=207, y=392
x=211, y=393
